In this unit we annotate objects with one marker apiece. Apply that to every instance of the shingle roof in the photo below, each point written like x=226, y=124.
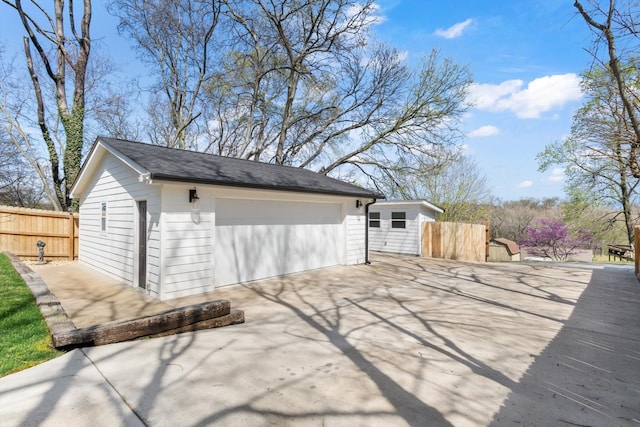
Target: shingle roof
x=189, y=166
x=510, y=244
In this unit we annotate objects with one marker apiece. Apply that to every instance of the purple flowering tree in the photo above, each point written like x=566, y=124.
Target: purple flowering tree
x=551, y=238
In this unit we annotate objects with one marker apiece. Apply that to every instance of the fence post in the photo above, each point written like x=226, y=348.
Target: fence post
x=71, y=236
x=486, y=240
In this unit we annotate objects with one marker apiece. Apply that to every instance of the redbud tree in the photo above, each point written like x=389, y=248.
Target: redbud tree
x=550, y=238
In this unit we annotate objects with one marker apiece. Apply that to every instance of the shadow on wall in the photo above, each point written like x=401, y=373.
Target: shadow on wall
x=250, y=245
x=262, y=251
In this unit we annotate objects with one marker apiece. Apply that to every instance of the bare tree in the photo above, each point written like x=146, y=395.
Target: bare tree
x=61, y=39
x=311, y=89
x=16, y=113
x=510, y=219
x=595, y=155
x=116, y=115
x=175, y=37
x=18, y=187
x=295, y=82
x=454, y=183
x=617, y=23
x=307, y=36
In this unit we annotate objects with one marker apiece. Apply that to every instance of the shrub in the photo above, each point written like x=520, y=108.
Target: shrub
x=551, y=238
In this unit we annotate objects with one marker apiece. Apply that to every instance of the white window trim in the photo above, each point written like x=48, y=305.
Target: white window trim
x=378, y=220
x=403, y=220
x=104, y=217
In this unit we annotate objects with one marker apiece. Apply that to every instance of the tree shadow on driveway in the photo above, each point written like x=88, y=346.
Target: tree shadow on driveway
x=404, y=341
x=406, y=404
x=441, y=346
x=589, y=375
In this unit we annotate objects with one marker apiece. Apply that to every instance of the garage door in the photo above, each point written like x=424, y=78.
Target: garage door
x=260, y=239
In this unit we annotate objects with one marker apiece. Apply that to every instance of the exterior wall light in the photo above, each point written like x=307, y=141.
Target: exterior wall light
x=193, y=195
x=358, y=203
x=194, y=200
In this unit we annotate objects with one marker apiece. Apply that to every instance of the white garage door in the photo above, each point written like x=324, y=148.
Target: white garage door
x=259, y=239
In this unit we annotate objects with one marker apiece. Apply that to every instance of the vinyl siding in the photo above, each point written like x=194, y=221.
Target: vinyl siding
x=398, y=240
x=355, y=229
x=112, y=252
x=300, y=231
x=187, y=244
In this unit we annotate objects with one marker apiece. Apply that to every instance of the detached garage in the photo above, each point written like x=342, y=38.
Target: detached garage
x=178, y=223
x=396, y=226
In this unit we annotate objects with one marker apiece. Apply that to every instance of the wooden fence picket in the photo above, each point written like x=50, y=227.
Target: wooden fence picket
x=21, y=228
x=459, y=241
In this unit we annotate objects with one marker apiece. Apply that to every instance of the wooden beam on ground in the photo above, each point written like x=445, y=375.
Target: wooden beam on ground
x=194, y=317
x=64, y=334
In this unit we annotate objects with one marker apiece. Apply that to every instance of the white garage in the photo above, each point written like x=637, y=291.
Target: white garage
x=256, y=239
x=178, y=223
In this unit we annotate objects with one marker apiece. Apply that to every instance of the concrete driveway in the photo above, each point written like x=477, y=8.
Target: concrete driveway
x=404, y=341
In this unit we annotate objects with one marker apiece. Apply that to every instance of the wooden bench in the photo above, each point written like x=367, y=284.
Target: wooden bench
x=622, y=252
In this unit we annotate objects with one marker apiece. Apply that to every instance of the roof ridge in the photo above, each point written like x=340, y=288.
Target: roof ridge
x=253, y=162
x=175, y=164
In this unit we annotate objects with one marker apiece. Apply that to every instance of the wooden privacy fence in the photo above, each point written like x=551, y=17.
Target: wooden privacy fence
x=452, y=240
x=21, y=228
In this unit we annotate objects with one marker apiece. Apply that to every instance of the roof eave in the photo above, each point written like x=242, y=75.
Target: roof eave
x=163, y=177
x=94, y=156
x=415, y=202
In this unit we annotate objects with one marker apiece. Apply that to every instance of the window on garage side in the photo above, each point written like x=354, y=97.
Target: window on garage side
x=398, y=220
x=374, y=219
x=103, y=217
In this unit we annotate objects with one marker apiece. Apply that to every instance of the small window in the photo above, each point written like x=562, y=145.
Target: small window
x=374, y=219
x=103, y=217
x=398, y=220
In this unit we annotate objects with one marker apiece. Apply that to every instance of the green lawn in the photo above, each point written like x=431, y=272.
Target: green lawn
x=24, y=336
x=605, y=258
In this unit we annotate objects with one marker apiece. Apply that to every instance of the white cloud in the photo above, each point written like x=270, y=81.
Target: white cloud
x=369, y=15
x=455, y=30
x=403, y=55
x=525, y=184
x=541, y=95
x=557, y=175
x=484, y=131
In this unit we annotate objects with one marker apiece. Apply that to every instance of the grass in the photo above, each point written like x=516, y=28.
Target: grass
x=24, y=337
x=605, y=258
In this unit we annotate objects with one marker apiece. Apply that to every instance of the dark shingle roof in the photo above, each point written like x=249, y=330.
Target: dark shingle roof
x=193, y=167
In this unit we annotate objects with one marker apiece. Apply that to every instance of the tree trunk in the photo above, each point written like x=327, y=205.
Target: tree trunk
x=56, y=68
x=292, y=84
x=614, y=65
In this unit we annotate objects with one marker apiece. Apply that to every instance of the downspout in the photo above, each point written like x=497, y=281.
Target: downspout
x=366, y=231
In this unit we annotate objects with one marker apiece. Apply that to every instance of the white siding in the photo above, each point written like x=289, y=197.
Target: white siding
x=355, y=226
x=187, y=243
x=396, y=240
x=256, y=239
x=112, y=252
x=237, y=235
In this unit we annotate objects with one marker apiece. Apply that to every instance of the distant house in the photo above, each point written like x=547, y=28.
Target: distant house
x=396, y=226
x=501, y=250
x=177, y=223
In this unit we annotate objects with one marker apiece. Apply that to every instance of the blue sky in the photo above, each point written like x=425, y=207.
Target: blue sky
x=525, y=57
